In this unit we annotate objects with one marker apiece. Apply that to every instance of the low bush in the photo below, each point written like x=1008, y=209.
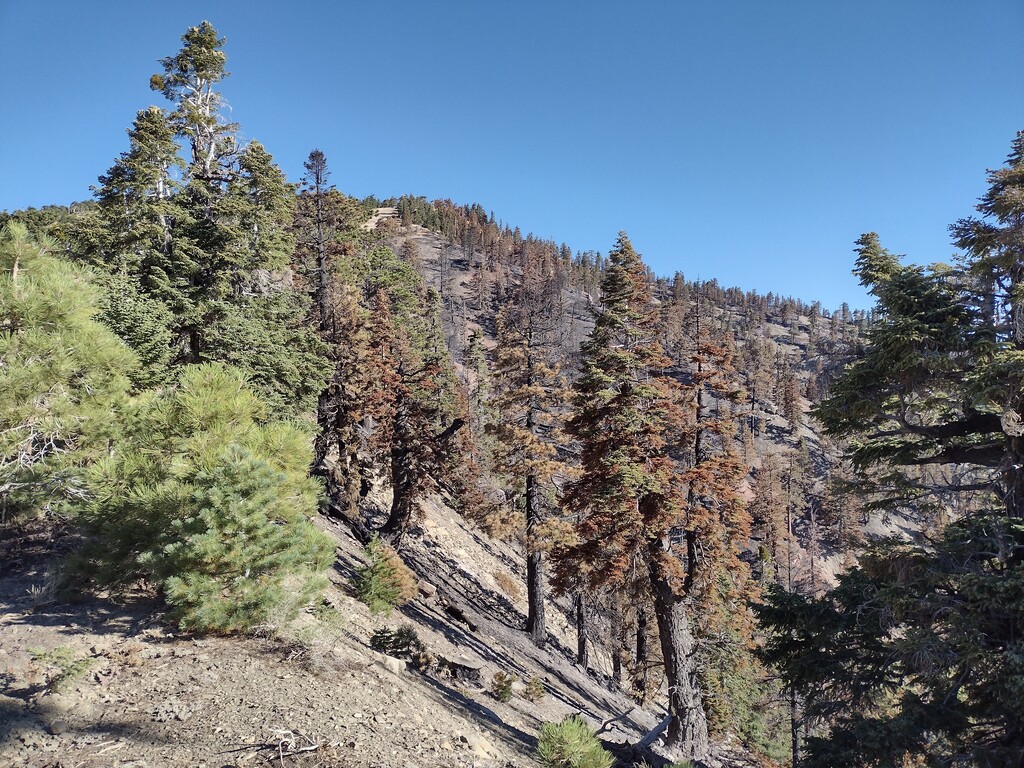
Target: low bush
x=501, y=686
x=571, y=744
x=535, y=690
x=385, y=581
x=403, y=643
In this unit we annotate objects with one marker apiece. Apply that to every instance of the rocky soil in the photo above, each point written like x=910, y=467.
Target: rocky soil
x=106, y=682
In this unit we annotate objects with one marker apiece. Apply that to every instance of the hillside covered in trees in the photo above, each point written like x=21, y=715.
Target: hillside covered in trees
x=790, y=533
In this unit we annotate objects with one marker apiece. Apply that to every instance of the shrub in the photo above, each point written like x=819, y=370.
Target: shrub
x=385, y=581
x=403, y=643
x=501, y=686
x=210, y=501
x=571, y=744
x=535, y=691
x=62, y=377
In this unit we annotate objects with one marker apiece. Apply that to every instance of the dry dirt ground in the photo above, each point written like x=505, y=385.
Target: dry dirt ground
x=105, y=682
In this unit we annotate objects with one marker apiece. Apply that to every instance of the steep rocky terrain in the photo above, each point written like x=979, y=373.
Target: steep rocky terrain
x=101, y=682
x=105, y=683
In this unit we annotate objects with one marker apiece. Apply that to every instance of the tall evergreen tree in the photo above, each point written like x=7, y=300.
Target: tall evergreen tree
x=323, y=215
x=209, y=235
x=916, y=654
x=530, y=399
x=630, y=496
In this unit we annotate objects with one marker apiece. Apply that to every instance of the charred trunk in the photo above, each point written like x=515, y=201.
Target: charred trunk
x=582, y=651
x=618, y=640
x=640, y=683
x=407, y=471
x=535, y=623
x=688, y=730
x=336, y=461
x=400, y=515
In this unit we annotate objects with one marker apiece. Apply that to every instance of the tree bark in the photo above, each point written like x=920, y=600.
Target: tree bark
x=794, y=725
x=404, y=474
x=618, y=641
x=400, y=515
x=688, y=730
x=1013, y=477
x=535, y=623
x=582, y=652
x=641, y=654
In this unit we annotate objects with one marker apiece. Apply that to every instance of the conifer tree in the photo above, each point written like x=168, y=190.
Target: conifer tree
x=323, y=223
x=63, y=379
x=393, y=393
x=136, y=205
x=208, y=235
x=189, y=81
x=143, y=323
x=417, y=437
x=629, y=494
x=716, y=531
x=530, y=400
x=915, y=655
x=341, y=403
x=208, y=498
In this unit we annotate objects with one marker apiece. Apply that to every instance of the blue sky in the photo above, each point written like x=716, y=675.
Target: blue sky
x=750, y=142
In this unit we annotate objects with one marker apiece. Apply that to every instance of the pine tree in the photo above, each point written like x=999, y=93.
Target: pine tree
x=209, y=499
x=63, y=380
x=136, y=205
x=530, y=400
x=208, y=236
x=323, y=221
x=915, y=655
x=629, y=495
x=716, y=531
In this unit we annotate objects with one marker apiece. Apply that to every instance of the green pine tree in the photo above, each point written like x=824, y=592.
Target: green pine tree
x=209, y=499
x=63, y=377
x=916, y=656
x=208, y=235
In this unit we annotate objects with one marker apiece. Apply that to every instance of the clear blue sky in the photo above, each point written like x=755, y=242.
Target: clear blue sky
x=748, y=141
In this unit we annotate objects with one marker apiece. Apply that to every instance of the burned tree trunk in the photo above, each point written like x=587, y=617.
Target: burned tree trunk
x=582, y=651
x=688, y=729
x=412, y=458
x=535, y=623
x=640, y=681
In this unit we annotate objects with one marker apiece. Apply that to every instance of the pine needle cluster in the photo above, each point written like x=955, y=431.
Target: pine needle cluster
x=208, y=500
x=571, y=744
x=385, y=581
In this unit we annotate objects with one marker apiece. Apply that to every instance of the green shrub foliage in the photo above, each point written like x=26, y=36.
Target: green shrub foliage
x=501, y=686
x=211, y=501
x=62, y=376
x=385, y=581
x=571, y=744
x=403, y=643
x=535, y=690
